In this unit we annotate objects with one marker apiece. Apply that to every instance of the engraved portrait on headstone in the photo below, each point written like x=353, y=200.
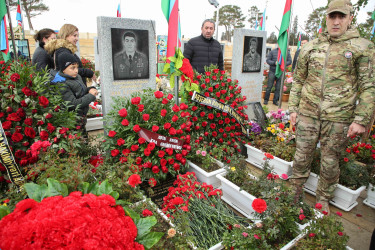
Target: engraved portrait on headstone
x=130, y=54
x=252, y=51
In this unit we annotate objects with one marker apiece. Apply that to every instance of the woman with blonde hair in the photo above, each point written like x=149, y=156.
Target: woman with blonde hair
x=68, y=37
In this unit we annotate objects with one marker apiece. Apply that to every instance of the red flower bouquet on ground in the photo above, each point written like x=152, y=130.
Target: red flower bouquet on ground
x=76, y=221
x=132, y=123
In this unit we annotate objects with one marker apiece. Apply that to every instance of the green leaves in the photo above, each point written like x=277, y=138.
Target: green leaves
x=4, y=210
x=39, y=192
x=104, y=188
x=144, y=226
x=54, y=188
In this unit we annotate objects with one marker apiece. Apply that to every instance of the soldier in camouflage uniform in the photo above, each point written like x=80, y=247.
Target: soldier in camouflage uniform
x=333, y=94
x=130, y=63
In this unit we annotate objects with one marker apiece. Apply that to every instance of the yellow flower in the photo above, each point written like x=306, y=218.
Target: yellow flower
x=269, y=128
x=273, y=126
x=233, y=169
x=273, y=131
x=282, y=139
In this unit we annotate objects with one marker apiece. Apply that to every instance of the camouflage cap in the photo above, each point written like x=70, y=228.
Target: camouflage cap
x=342, y=6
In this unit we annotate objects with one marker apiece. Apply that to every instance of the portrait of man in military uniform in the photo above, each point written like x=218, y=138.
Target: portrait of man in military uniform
x=130, y=54
x=252, y=54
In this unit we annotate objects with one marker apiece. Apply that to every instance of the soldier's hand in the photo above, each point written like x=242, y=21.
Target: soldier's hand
x=355, y=129
x=293, y=118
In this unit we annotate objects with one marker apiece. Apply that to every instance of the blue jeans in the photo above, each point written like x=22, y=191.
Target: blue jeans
x=271, y=80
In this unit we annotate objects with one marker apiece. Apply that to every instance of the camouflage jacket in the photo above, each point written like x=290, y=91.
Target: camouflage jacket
x=334, y=79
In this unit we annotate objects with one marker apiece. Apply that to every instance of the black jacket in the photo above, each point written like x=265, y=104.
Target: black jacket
x=272, y=59
x=74, y=91
x=204, y=52
x=59, y=46
x=295, y=60
x=41, y=59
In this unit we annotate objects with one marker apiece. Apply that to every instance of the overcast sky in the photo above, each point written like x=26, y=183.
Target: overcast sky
x=83, y=13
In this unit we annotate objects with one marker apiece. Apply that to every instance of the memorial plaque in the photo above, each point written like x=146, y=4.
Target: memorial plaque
x=248, y=68
x=127, y=62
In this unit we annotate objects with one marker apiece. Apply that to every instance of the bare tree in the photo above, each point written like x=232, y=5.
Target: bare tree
x=31, y=8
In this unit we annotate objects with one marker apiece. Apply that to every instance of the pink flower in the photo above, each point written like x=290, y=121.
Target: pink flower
x=245, y=234
x=339, y=213
x=284, y=176
x=204, y=153
x=256, y=237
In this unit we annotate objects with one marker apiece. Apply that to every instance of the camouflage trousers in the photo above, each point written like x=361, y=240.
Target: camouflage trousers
x=332, y=136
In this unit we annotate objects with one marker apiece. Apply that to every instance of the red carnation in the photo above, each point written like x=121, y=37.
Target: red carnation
x=14, y=77
x=141, y=140
x=134, y=148
x=158, y=94
x=17, y=137
x=163, y=112
x=155, y=128
x=43, y=101
x=120, y=142
x=7, y=125
x=27, y=91
x=141, y=107
x=43, y=135
x=125, y=122
x=259, y=205
x=172, y=131
x=112, y=133
x=175, y=108
x=145, y=117
x=152, y=182
x=146, y=213
x=136, y=100
x=161, y=153
x=14, y=117
x=151, y=146
x=134, y=180
x=123, y=112
x=164, y=101
x=136, y=128
x=167, y=125
x=115, y=152
x=155, y=169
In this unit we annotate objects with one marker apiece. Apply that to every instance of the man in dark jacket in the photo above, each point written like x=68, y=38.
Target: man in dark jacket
x=272, y=61
x=203, y=50
x=303, y=42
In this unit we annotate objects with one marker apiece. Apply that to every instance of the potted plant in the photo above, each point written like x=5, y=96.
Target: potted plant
x=324, y=232
x=198, y=212
x=349, y=188
x=277, y=139
x=205, y=166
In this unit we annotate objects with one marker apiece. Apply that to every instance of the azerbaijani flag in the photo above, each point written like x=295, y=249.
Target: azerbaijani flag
x=18, y=16
x=299, y=40
x=262, y=24
x=256, y=25
x=282, y=40
x=4, y=43
x=170, y=10
x=320, y=29
x=373, y=28
x=119, y=10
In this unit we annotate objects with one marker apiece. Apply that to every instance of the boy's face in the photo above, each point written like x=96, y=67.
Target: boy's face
x=71, y=70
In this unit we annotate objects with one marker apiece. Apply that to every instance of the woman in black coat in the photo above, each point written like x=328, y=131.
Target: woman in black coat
x=68, y=38
x=40, y=57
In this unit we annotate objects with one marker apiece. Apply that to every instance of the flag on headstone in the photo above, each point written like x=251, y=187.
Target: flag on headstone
x=170, y=10
x=262, y=25
x=282, y=40
x=4, y=43
x=18, y=16
x=119, y=10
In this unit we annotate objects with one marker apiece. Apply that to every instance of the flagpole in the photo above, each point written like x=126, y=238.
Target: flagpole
x=11, y=31
x=177, y=84
x=286, y=59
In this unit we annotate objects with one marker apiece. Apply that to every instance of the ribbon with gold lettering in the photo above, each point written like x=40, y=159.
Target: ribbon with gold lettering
x=199, y=98
x=7, y=159
x=161, y=140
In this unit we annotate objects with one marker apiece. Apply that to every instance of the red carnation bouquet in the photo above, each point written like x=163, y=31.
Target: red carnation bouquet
x=152, y=113
x=31, y=111
x=214, y=127
x=73, y=222
x=87, y=64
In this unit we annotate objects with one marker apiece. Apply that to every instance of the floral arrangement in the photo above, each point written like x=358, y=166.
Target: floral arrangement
x=87, y=64
x=148, y=110
x=95, y=110
x=324, y=232
x=212, y=126
x=62, y=218
x=31, y=111
x=199, y=207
